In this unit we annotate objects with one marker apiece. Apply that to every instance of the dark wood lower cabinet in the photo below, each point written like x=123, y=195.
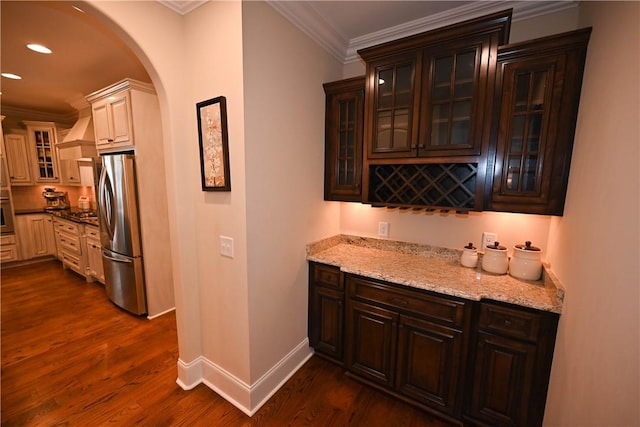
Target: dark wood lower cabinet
x=475, y=363
x=371, y=342
x=501, y=384
x=513, y=354
x=326, y=311
x=429, y=368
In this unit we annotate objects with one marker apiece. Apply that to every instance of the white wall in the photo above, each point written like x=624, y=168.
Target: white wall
x=213, y=44
x=239, y=317
x=284, y=116
x=446, y=230
x=595, y=375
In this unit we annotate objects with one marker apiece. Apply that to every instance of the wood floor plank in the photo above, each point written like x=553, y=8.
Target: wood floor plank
x=71, y=357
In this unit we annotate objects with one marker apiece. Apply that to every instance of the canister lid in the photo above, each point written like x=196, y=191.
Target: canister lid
x=496, y=247
x=527, y=247
x=470, y=246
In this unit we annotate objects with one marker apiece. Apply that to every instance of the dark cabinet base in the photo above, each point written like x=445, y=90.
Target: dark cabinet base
x=474, y=363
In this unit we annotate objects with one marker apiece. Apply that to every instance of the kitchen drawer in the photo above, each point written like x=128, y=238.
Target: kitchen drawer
x=92, y=232
x=441, y=309
x=66, y=226
x=510, y=322
x=70, y=243
x=326, y=275
x=8, y=252
x=73, y=262
x=8, y=239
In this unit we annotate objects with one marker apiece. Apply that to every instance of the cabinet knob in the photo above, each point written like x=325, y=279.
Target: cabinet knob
x=109, y=140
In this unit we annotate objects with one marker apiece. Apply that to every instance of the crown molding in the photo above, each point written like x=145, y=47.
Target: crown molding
x=308, y=20
x=182, y=6
x=27, y=114
x=305, y=17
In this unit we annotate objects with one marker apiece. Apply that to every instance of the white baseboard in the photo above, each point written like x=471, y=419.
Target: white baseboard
x=190, y=374
x=248, y=398
x=161, y=313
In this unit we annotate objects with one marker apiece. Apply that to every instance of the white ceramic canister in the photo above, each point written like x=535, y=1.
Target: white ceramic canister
x=469, y=257
x=495, y=259
x=525, y=263
x=84, y=203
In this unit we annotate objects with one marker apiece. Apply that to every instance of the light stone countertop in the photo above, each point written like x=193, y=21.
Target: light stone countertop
x=434, y=269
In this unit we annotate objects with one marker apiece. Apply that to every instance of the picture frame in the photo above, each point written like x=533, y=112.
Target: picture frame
x=214, y=144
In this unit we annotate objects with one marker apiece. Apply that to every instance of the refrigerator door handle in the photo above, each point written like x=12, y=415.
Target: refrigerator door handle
x=106, y=201
x=128, y=261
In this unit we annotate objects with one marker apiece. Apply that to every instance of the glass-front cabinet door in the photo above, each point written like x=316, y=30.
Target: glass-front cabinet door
x=524, y=141
x=395, y=92
x=540, y=94
x=42, y=140
x=455, y=96
x=343, y=139
x=451, y=99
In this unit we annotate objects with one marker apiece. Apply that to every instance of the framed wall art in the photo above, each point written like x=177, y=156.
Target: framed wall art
x=214, y=144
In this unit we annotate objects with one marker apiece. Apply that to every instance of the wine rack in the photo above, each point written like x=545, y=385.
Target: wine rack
x=446, y=185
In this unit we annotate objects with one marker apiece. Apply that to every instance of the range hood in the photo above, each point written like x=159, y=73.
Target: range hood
x=79, y=144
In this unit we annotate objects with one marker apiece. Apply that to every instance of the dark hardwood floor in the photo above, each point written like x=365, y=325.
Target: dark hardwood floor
x=70, y=357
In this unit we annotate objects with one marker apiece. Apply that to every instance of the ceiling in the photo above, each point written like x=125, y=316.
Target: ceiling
x=87, y=57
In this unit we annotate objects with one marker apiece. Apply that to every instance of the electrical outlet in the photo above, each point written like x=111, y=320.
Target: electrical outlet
x=488, y=239
x=383, y=229
x=226, y=246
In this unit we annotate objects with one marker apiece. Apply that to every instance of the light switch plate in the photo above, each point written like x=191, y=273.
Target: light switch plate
x=226, y=246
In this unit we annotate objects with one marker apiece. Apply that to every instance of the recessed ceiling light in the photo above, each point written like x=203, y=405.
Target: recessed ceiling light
x=38, y=48
x=11, y=76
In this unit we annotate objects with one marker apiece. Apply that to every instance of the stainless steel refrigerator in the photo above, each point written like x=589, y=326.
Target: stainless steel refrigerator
x=120, y=233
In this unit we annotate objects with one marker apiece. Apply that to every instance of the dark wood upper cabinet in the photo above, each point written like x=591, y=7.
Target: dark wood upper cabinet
x=539, y=92
x=427, y=94
x=343, y=139
x=454, y=118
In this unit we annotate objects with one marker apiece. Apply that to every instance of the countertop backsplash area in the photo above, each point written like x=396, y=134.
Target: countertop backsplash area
x=435, y=269
x=29, y=198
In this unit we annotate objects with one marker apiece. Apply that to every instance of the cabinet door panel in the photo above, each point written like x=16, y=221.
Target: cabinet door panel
x=94, y=260
x=457, y=83
x=101, y=125
x=393, y=107
x=18, y=159
x=327, y=322
x=540, y=83
x=39, y=236
x=429, y=363
x=503, y=380
x=344, y=121
x=121, y=111
x=371, y=345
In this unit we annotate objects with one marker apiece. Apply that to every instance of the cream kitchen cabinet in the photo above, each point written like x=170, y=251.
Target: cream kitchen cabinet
x=68, y=236
x=116, y=110
x=35, y=235
x=95, y=268
x=41, y=138
x=70, y=172
x=8, y=248
x=69, y=169
x=18, y=159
